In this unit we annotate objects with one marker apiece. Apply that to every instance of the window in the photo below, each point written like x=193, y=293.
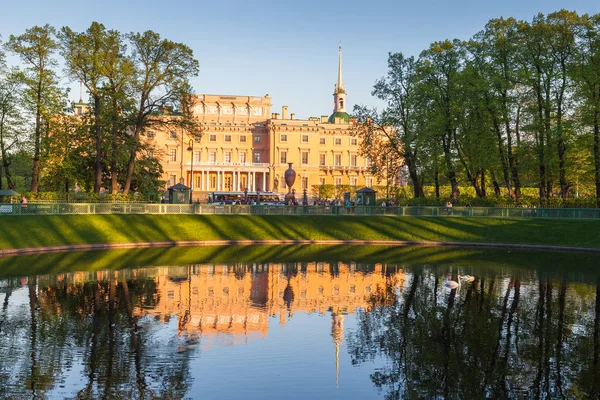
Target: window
x=338, y=160
x=322, y=140
x=353, y=159
x=150, y=134
x=305, y=138
x=305, y=182
x=283, y=138
x=305, y=157
x=172, y=154
x=228, y=138
x=212, y=138
x=228, y=183
x=353, y=141
x=257, y=157
x=338, y=141
x=338, y=181
x=172, y=179
x=196, y=156
x=322, y=159
x=283, y=157
x=197, y=181
x=369, y=182
x=243, y=157
x=256, y=139
x=353, y=181
x=213, y=181
x=150, y=153
x=322, y=181
x=282, y=183
x=212, y=156
x=227, y=156
x=367, y=162
x=243, y=139
x=173, y=135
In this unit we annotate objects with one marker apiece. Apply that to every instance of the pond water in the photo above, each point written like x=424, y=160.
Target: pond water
x=298, y=322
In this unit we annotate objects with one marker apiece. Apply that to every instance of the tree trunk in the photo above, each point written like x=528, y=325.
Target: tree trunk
x=597, y=155
x=35, y=173
x=410, y=159
x=114, y=175
x=436, y=178
x=98, y=137
x=450, y=172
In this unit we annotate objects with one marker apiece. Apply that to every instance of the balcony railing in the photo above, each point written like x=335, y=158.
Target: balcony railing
x=226, y=164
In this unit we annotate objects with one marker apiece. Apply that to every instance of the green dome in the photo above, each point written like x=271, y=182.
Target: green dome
x=342, y=115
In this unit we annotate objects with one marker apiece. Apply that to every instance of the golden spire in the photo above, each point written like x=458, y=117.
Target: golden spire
x=337, y=332
x=339, y=87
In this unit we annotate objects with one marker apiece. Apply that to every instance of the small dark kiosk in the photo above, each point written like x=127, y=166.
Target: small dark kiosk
x=179, y=194
x=366, y=197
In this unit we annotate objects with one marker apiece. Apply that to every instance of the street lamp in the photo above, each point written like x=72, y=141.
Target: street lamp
x=191, y=150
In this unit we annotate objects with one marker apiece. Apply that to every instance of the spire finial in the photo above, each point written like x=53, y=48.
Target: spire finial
x=340, y=85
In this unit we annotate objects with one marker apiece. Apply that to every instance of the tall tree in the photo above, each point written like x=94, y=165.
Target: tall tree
x=11, y=124
x=88, y=56
x=586, y=74
x=492, y=54
x=440, y=76
x=42, y=95
x=397, y=89
x=162, y=70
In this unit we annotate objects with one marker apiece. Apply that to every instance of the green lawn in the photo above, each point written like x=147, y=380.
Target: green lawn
x=34, y=231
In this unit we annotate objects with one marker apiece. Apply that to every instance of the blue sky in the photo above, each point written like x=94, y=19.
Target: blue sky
x=286, y=49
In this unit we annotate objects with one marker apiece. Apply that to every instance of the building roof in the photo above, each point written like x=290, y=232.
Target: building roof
x=179, y=186
x=366, y=190
x=338, y=114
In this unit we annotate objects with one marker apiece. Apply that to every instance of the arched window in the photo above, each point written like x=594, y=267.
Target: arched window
x=341, y=103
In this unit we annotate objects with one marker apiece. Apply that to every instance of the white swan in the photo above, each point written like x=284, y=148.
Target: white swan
x=453, y=284
x=468, y=278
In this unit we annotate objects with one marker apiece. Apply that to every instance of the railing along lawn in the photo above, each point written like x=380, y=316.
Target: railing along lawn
x=147, y=208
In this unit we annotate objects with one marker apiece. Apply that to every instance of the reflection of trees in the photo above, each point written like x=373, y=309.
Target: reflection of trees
x=96, y=316
x=495, y=338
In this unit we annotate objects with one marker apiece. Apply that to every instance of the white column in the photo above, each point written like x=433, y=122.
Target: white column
x=219, y=180
x=264, y=182
x=253, y=181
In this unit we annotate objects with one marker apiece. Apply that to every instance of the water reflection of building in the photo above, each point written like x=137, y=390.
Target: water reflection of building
x=240, y=299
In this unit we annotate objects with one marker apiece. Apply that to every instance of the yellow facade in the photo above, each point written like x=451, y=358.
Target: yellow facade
x=246, y=146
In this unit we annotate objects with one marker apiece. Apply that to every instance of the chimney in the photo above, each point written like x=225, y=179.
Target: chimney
x=272, y=115
x=292, y=116
x=284, y=112
x=276, y=116
x=323, y=119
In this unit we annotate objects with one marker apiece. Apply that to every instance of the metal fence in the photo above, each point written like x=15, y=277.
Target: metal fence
x=147, y=208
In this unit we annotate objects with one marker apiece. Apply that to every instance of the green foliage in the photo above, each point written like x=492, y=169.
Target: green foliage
x=515, y=107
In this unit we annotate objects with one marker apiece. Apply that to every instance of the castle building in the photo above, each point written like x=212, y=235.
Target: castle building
x=246, y=146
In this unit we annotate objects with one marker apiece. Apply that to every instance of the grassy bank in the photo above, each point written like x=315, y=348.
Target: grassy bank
x=35, y=231
x=576, y=266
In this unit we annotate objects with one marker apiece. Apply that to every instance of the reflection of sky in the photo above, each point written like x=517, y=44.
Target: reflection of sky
x=296, y=360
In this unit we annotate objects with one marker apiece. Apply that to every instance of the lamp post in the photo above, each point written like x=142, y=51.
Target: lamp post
x=191, y=150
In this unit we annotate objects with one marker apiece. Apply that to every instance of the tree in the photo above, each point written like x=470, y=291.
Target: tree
x=440, y=69
x=380, y=144
x=492, y=54
x=89, y=57
x=397, y=89
x=162, y=70
x=11, y=124
x=36, y=48
x=586, y=74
